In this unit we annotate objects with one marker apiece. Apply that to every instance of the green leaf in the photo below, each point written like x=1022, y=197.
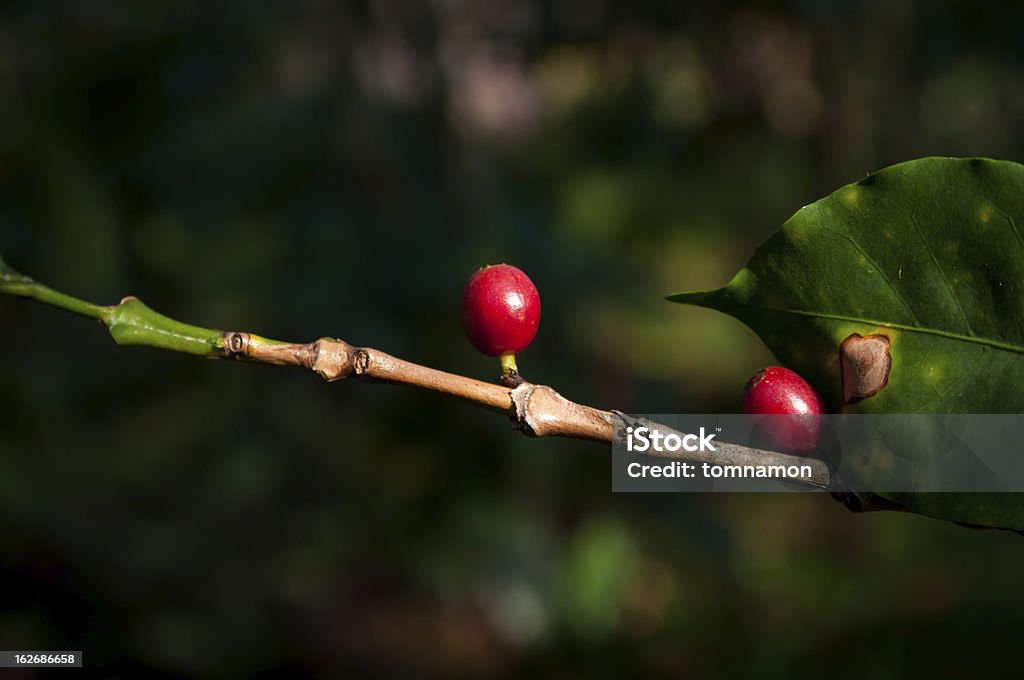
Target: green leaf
x=930, y=254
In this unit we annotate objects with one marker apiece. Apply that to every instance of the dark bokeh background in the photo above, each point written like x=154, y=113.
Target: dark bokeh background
x=313, y=168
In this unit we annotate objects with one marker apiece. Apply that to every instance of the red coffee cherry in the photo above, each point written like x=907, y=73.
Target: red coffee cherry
x=779, y=391
x=500, y=311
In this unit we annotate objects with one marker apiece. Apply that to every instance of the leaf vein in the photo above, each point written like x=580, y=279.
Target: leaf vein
x=949, y=386
x=924, y=330
x=897, y=293
x=999, y=209
x=942, y=274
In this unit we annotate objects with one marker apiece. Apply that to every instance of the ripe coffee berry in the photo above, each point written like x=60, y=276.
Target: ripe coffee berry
x=778, y=391
x=500, y=311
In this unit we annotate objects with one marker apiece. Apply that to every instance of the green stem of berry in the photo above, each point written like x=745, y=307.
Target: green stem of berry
x=508, y=363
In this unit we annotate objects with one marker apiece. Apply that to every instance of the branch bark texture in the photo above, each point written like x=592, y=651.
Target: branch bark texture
x=536, y=410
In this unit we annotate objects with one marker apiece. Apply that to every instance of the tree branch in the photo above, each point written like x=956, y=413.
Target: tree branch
x=537, y=410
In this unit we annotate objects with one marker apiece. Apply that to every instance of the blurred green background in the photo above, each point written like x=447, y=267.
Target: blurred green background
x=314, y=168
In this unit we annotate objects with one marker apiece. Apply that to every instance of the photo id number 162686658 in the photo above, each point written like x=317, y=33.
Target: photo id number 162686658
x=20, y=659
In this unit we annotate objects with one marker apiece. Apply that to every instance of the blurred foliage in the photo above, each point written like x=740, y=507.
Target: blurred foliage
x=310, y=168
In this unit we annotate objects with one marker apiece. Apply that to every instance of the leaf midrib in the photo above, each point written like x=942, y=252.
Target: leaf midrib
x=952, y=335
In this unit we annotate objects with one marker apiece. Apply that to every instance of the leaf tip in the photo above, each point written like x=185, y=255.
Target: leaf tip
x=692, y=297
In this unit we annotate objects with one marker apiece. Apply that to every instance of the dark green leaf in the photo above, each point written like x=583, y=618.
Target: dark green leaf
x=930, y=254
